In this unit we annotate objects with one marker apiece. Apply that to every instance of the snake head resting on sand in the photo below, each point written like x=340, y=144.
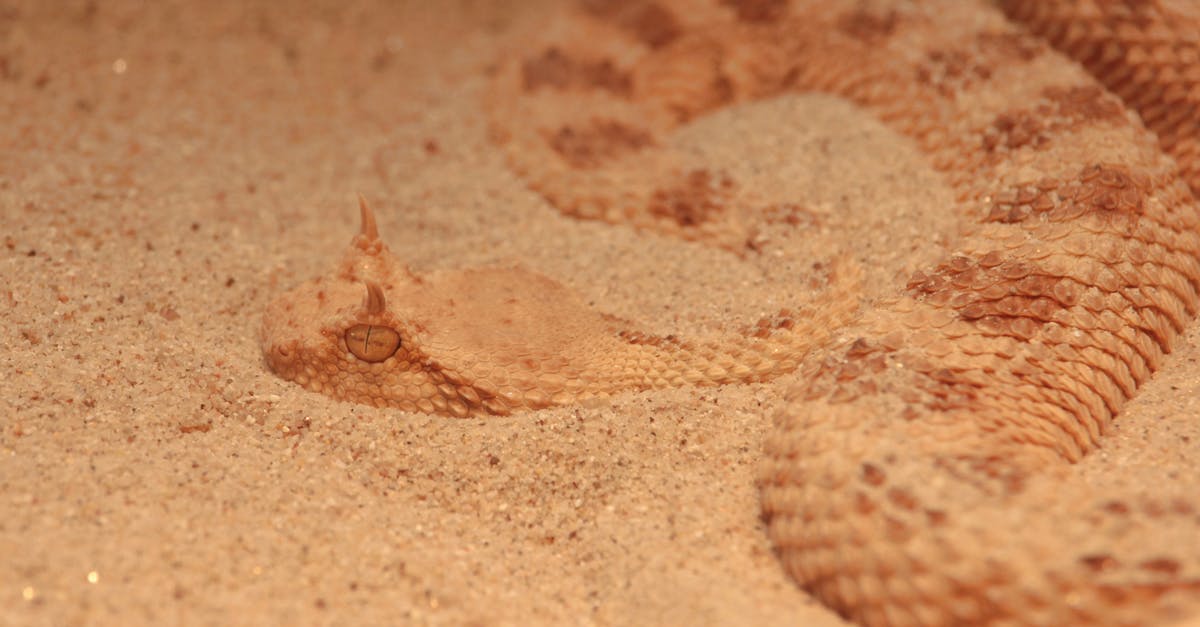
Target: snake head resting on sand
x=499, y=339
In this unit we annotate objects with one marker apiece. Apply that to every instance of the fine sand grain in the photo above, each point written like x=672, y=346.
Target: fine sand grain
x=165, y=169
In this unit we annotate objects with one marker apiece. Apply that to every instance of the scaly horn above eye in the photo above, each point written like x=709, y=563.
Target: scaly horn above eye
x=375, y=303
x=369, y=230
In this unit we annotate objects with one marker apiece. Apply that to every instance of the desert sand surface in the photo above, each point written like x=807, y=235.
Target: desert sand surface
x=167, y=168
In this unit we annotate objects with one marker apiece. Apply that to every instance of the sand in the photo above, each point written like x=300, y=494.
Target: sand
x=166, y=169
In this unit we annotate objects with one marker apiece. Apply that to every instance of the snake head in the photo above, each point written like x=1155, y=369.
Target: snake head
x=337, y=335
x=371, y=331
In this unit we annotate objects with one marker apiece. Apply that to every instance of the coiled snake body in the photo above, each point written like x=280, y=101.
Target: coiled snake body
x=921, y=473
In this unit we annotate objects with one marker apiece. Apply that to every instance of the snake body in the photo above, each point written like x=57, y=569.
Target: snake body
x=922, y=472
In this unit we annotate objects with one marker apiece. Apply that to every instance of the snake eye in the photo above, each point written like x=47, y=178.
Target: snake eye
x=372, y=343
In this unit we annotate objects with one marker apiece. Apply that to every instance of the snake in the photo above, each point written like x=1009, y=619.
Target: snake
x=921, y=469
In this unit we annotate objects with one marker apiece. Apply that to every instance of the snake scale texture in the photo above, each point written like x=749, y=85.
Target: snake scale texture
x=922, y=472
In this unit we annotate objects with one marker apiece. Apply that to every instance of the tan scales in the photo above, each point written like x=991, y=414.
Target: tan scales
x=961, y=401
